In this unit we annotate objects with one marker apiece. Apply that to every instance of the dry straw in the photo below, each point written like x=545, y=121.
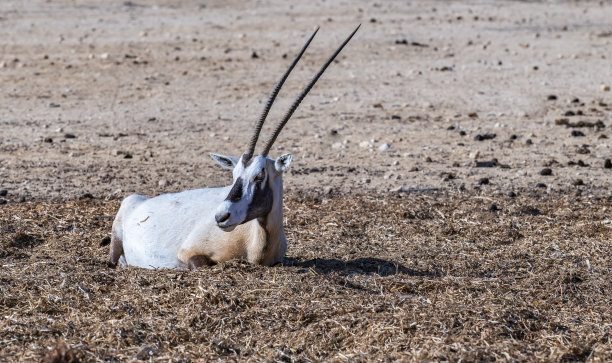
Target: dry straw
x=380, y=277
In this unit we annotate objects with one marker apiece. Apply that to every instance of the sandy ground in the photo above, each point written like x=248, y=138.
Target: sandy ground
x=109, y=98
x=167, y=83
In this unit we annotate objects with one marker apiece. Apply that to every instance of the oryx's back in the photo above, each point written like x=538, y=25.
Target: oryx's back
x=152, y=229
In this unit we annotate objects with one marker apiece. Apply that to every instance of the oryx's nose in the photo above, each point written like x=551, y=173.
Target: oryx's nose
x=222, y=217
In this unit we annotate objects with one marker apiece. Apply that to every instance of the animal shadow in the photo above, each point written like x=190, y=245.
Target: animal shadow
x=363, y=266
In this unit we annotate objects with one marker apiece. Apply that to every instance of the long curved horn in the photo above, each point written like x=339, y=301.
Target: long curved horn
x=305, y=91
x=272, y=97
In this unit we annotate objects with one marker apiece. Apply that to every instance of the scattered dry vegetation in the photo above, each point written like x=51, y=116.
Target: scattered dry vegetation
x=421, y=276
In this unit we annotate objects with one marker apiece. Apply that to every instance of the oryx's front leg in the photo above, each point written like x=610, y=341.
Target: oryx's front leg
x=194, y=259
x=258, y=244
x=198, y=261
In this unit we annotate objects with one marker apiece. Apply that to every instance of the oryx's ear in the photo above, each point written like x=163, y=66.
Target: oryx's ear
x=282, y=163
x=228, y=162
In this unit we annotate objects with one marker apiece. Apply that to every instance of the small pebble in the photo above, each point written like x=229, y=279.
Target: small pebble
x=364, y=144
x=384, y=147
x=54, y=105
x=578, y=182
x=446, y=176
x=69, y=136
x=569, y=113
x=487, y=164
x=608, y=164
x=396, y=117
x=462, y=133
x=162, y=183
x=105, y=241
x=540, y=185
x=577, y=133
x=3, y=192
x=484, y=137
x=3, y=201
x=584, y=149
x=546, y=171
x=428, y=160
x=511, y=194
x=493, y=208
x=513, y=137
x=552, y=97
x=48, y=139
x=528, y=142
x=483, y=181
x=605, y=88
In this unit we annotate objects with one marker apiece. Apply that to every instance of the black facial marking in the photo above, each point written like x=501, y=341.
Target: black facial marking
x=236, y=193
x=261, y=204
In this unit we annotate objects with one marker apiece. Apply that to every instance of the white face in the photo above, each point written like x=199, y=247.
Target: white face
x=252, y=193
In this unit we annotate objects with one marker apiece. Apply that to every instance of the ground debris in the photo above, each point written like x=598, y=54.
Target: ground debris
x=566, y=122
x=525, y=266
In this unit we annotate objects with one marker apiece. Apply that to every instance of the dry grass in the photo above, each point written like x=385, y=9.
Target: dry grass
x=367, y=278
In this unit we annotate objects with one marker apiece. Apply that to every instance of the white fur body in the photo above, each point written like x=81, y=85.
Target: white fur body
x=167, y=230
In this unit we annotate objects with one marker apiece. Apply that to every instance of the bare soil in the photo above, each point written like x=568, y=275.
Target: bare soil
x=480, y=230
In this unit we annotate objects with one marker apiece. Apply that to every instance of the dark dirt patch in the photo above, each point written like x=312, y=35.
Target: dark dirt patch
x=24, y=240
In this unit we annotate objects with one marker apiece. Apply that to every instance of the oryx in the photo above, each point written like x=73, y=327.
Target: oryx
x=204, y=226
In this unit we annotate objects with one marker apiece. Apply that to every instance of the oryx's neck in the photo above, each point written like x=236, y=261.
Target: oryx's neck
x=273, y=225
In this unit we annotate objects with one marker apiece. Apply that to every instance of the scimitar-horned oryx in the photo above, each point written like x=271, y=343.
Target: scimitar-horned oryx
x=205, y=226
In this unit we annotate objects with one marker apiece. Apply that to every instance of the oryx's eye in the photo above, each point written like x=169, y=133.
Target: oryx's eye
x=260, y=177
